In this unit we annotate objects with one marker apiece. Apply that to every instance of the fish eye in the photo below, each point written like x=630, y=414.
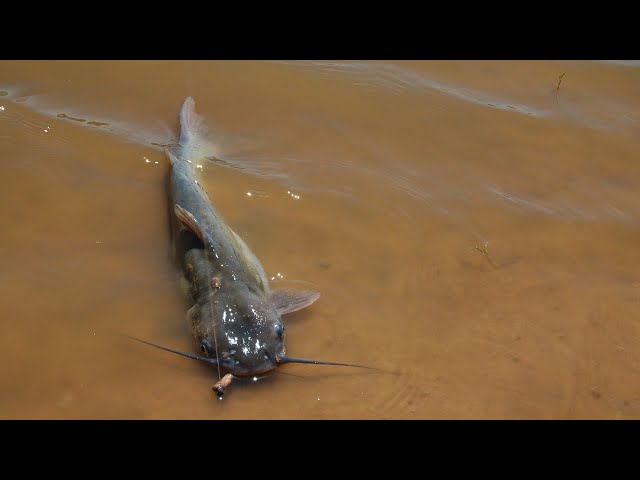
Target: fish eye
x=279, y=330
x=205, y=347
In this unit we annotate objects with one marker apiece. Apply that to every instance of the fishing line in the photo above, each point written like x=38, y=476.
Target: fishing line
x=209, y=281
x=209, y=285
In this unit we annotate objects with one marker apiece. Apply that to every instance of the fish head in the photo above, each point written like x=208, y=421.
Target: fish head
x=243, y=331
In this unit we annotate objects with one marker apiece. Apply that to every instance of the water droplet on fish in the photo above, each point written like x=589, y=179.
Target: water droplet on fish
x=248, y=194
x=197, y=166
x=255, y=379
x=1, y=108
x=156, y=163
x=146, y=160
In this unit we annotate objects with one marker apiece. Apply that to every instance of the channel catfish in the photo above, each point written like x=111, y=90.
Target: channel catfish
x=235, y=317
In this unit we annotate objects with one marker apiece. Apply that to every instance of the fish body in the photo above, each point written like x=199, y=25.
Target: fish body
x=235, y=317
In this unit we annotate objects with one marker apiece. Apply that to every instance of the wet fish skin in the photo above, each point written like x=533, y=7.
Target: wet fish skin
x=232, y=317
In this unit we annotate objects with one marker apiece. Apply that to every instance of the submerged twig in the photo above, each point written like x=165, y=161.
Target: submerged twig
x=484, y=251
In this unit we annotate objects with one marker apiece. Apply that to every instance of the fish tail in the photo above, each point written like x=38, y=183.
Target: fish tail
x=192, y=126
x=196, y=144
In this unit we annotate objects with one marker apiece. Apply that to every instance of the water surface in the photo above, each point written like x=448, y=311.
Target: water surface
x=473, y=229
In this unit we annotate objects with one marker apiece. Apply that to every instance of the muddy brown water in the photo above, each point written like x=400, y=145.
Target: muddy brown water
x=473, y=230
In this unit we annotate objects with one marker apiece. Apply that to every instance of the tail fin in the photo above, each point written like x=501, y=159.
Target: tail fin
x=192, y=126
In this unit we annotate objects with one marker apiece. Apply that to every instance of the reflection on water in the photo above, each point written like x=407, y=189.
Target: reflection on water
x=472, y=228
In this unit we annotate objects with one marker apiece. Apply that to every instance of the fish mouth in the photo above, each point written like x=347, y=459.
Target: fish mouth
x=253, y=369
x=255, y=373
x=231, y=365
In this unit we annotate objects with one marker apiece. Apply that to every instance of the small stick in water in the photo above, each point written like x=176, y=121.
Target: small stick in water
x=557, y=89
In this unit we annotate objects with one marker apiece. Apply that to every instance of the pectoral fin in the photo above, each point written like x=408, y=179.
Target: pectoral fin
x=188, y=221
x=287, y=300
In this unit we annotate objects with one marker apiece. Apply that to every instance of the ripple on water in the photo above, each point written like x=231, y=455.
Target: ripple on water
x=399, y=79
